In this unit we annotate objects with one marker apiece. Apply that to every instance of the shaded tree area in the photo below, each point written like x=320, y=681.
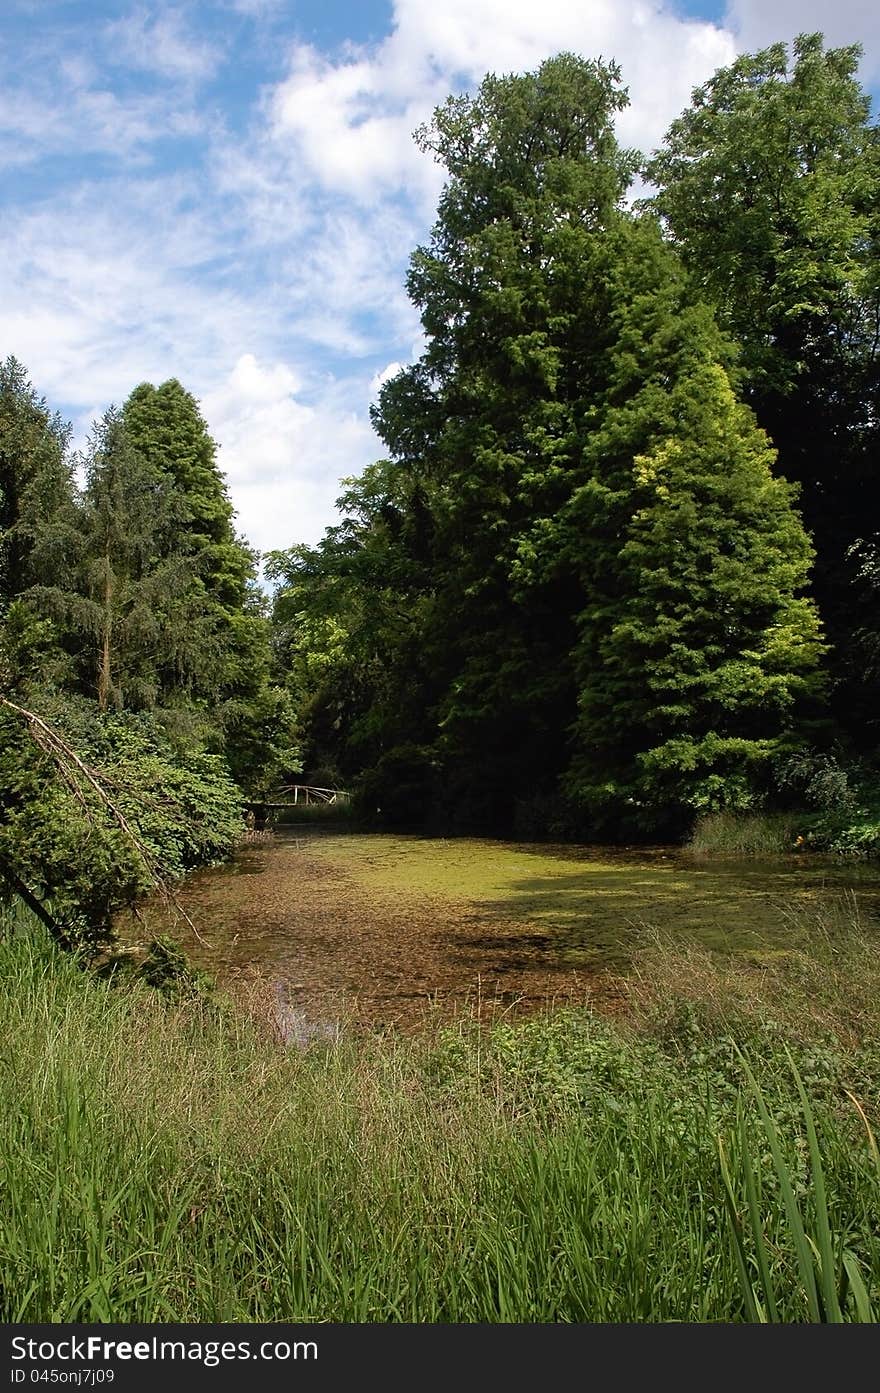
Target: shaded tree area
x=131, y=624
x=578, y=582
x=769, y=189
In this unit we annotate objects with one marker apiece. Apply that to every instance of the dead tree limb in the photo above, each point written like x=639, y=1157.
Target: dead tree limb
x=34, y=905
x=66, y=761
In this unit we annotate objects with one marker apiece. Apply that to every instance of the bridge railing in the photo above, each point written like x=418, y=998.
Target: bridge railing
x=310, y=793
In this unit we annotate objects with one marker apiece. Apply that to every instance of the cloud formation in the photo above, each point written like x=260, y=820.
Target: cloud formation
x=202, y=191
x=160, y=42
x=757, y=24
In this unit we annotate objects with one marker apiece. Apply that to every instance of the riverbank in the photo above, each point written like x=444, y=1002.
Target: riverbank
x=171, y=1160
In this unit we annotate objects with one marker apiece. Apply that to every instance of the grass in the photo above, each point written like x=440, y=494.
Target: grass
x=743, y=834
x=168, y=1160
x=823, y=985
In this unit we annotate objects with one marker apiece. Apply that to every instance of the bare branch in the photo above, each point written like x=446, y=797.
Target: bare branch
x=66, y=761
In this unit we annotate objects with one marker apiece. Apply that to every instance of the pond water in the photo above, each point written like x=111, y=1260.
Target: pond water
x=381, y=927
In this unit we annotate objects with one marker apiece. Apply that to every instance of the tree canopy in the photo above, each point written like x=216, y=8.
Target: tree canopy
x=598, y=582
x=769, y=188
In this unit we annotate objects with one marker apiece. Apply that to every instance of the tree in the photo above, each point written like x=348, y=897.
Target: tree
x=126, y=600
x=566, y=360
x=697, y=653
x=485, y=427
x=36, y=486
x=350, y=620
x=165, y=426
x=243, y=713
x=769, y=187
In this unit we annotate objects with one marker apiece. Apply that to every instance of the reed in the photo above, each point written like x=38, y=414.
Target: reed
x=167, y=1160
x=744, y=834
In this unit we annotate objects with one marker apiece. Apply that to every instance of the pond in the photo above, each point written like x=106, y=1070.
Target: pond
x=382, y=927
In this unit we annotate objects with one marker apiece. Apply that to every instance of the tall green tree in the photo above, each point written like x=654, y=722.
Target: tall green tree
x=127, y=601
x=352, y=623
x=565, y=351
x=36, y=485
x=39, y=530
x=769, y=187
x=486, y=424
x=698, y=650
x=244, y=713
x=167, y=428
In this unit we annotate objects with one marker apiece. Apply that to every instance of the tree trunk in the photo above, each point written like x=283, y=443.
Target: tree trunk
x=34, y=905
x=104, y=665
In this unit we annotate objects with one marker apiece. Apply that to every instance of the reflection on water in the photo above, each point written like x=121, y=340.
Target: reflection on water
x=383, y=925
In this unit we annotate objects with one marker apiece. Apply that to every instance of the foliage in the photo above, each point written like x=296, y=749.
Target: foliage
x=557, y=1170
x=769, y=186
x=35, y=480
x=71, y=853
x=243, y=713
x=696, y=651
x=129, y=609
x=165, y=968
x=130, y=620
x=165, y=426
x=843, y=796
x=576, y=569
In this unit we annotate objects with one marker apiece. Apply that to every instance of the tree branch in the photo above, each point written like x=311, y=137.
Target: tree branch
x=66, y=760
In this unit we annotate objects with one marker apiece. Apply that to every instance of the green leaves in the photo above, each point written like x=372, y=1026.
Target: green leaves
x=695, y=651
x=829, y=1276
x=769, y=187
x=577, y=563
x=71, y=852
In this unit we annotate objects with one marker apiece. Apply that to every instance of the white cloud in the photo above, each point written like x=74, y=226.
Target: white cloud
x=160, y=43
x=115, y=284
x=284, y=460
x=349, y=121
x=758, y=24
x=379, y=379
x=76, y=113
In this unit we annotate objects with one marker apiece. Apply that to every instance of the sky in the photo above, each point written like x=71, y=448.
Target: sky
x=227, y=192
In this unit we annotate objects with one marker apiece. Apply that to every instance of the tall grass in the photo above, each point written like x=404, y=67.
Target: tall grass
x=169, y=1161
x=828, y=1271
x=743, y=834
x=821, y=982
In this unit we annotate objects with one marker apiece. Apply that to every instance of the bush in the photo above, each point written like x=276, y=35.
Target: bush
x=77, y=855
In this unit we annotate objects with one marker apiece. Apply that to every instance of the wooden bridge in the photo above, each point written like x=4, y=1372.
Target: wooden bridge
x=308, y=793
x=294, y=796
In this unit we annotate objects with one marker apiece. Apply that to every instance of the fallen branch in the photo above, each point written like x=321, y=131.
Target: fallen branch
x=34, y=905
x=66, y=760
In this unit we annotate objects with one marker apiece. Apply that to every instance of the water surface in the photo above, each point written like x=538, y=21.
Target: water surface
x=384, y=926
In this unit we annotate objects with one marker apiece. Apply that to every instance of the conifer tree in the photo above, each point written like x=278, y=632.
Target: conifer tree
x=769, y=187
x=165, y=425
x=572, y=418
x=36, y=486
x=127, y=601
x=244, y=713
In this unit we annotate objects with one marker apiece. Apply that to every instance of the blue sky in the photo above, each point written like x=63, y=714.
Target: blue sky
x=226, y=191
